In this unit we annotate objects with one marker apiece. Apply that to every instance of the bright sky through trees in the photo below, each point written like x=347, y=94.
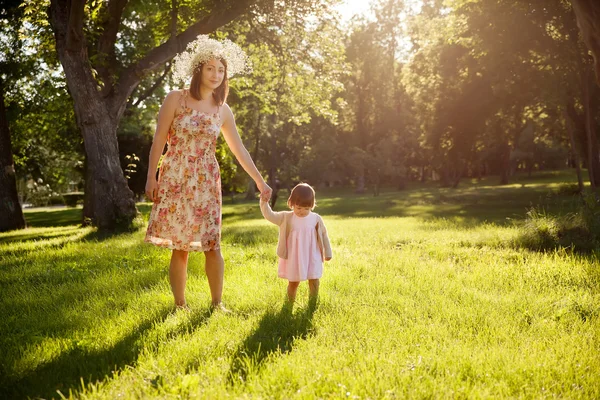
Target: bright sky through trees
x=350, y=8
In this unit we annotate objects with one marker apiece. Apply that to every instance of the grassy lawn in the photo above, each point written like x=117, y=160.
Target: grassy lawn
x=427, y=296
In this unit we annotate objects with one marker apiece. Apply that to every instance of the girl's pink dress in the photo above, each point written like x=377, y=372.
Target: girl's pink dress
x=304, y=257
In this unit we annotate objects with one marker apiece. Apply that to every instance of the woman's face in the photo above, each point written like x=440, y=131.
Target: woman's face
x=213, y=73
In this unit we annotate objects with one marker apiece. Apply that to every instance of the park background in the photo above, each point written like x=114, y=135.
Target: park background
x=454, y=148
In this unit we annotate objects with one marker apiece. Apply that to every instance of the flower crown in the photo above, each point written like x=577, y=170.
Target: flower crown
x=204, y=49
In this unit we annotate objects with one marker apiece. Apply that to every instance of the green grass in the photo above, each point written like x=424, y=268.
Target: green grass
x=427, y=296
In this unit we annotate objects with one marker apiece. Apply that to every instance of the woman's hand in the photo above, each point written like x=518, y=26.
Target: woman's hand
x=152, y=189
x=265, y=191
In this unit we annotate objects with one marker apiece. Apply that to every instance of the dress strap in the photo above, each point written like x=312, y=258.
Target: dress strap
x=183, y=99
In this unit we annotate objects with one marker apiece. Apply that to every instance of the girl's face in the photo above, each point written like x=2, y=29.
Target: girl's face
x=213, y=73
x=300, y=211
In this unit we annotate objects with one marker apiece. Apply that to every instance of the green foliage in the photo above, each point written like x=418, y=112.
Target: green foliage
x=297, y=67
x=46, y=143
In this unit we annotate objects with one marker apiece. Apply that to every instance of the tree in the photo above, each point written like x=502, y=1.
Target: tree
x=10, y=208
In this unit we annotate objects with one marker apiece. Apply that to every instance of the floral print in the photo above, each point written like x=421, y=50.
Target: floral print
x=187, y=213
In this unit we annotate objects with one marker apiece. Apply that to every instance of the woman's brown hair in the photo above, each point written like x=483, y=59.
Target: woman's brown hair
x=302, y=195
x=219, y=94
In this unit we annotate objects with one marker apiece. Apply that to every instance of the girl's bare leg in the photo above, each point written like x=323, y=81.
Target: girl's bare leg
x=215, y=269
x=313, y=287
x=178, y=276
x=292, y=289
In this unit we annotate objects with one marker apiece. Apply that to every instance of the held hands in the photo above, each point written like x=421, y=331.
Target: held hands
x=327, y=258
x=265, y=192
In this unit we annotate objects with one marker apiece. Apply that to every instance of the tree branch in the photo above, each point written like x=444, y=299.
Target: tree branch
x=106, y=64
x=258, y=32
x=174, y=13
x=59, y=16
x=223, y=13
x=75, y=39
x=151, y=89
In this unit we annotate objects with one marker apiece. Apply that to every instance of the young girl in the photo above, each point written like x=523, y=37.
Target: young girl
x=303, y=242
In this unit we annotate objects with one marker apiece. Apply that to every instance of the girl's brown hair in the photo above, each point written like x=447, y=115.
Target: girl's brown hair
x=219, y=94
x=302, y=195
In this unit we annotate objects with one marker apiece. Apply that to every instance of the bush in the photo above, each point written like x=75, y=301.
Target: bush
x=579, y=230
x=71, y=199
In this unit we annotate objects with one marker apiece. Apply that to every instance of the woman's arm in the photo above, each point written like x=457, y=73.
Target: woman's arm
x=232, y=137
x=165, y=118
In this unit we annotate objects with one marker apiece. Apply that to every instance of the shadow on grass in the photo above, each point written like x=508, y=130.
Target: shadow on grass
x=276, y=333
x=45, y=234
x=52, y=239
x=53, y=217
x=64, y=372
x=60, y=294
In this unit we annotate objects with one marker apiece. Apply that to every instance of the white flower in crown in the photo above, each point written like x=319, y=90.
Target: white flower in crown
x=202, y=50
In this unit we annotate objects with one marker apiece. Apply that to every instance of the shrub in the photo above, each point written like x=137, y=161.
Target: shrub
x=579, y=230
x=71, y=199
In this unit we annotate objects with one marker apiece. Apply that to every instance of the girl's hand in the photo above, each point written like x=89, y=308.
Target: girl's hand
x=152, y=189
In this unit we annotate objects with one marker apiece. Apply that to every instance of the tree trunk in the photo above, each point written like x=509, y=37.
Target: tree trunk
x=592, y=142
x=10, y=208
x=360, y=182
x=109, y=203
x=571, y=132
x=250, y=190
x=587, y=13
x=458, y=174
x=505, y=172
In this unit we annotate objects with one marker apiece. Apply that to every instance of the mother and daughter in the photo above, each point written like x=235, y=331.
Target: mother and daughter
x=186, y=195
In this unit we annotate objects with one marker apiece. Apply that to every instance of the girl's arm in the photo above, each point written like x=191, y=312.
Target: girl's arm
x=326, y=244
x=267, y=212
x=165, y=118
x=232, y=137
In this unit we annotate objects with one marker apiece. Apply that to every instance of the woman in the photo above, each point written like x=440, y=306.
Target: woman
x=186, y=214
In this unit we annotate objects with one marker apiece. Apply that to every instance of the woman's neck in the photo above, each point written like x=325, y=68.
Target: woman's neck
x=206, y=94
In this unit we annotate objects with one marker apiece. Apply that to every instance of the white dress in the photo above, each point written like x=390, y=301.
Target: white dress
x=304, y=257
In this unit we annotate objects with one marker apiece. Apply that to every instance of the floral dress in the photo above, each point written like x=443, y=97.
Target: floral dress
x=187, y=214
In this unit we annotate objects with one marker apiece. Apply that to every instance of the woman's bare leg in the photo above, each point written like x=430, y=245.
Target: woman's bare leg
x=178, y=276
x=215, y=269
